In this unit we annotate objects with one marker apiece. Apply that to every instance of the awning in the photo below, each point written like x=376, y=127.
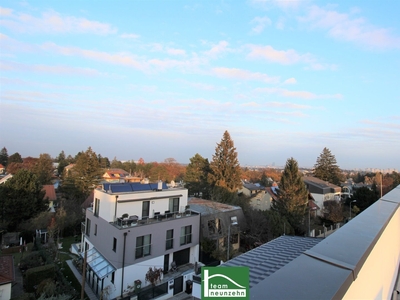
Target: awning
x=98, y=263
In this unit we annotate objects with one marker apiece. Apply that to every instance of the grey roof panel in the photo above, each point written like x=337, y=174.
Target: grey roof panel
x=270, y=257
x=327, y=270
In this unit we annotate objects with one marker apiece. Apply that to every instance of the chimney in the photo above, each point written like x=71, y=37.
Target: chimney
x=159, y=186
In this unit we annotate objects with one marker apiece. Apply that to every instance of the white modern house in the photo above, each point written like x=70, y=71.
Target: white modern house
x=132, y=227
x=322, y=191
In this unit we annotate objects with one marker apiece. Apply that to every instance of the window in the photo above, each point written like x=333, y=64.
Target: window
x=186, y=235
x=214, y=226
x=112, y=277
x=145, y=208
x=169, y=244
x=88, y=226
x=174, y=205
x=96, y=207
x=234, y=220
x=143, y=246
x=114, y=245
x=95, y=229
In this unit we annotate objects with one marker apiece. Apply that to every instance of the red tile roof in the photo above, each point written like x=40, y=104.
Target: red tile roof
x=6, y=269
x=50, y=192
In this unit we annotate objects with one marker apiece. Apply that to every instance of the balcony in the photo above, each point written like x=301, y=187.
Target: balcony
x=134, y=221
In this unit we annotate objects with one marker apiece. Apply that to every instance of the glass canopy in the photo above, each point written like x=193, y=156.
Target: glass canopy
x=98, y=263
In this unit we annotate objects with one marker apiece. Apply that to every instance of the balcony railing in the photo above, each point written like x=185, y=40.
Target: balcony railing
x=133, y=221
x=83, y=227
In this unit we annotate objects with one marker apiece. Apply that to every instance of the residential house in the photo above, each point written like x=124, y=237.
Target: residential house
x=132, y=227
x=219, y=221
x=7, y=276
x=68, y=168
x=50, y=195
x=322, y=191
x=5, y=178
x=2, y=169
x=260, y=197
x=115, y=175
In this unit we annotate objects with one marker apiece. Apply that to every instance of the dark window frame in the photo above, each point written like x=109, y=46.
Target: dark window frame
x=169, y=241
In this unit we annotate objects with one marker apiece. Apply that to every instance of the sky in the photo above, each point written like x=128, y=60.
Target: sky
x=165, y=79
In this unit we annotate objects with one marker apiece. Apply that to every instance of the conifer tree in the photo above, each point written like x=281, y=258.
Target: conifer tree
x=292, y=199
x=196, y=176
x=225, y=175
x=4, y=157
x=326, y=167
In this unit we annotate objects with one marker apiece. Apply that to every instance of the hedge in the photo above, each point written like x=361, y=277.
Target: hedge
x=34, y=276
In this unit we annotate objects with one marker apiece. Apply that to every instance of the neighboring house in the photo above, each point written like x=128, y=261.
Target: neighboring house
x=115, y=175
x=2, y=169
x=260, y=198
x=50, y=195
x=219, y=221
x=5, y=178
x=322, y=191
x=132, y=227
x=7, y=276
x=68, y=168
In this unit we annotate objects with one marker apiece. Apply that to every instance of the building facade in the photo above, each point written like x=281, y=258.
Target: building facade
x=322, y=191
x=132, y=227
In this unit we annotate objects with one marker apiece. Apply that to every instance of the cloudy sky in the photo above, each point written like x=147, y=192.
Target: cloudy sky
x=160, y=79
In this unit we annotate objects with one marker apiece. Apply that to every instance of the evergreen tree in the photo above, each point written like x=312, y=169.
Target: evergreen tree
x=15, y=158
x=87, y=172
x=4, y=157
x=21, y=198
x=196, y=177
x=225, y=175
x=292, y=199
x=326, y=168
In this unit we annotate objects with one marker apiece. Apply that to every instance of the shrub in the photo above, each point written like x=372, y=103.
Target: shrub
x=35, y=276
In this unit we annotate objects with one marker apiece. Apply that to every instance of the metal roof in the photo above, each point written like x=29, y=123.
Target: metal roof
x=270, y=257
x=327, y=270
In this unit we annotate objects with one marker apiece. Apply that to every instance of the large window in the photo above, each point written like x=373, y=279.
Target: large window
x=143, y=246
x=174, y=205
x=145, y=209
x=96, y=207
x=169, y=244
x=186, y=235
x=87, y=227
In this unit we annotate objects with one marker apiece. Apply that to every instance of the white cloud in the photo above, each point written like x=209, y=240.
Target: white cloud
x=129, y=36
x=52, y=22
x=221, y=47
x=285, y=57
x=174, y=51
x=297, y=94
x=260, y=23
x=240, y=74
x=290, y=81
x=345, y=27
x=5, y=11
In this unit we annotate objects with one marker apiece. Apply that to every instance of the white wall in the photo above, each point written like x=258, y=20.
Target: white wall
x=107, y=202
x=5, y=291
x=379, y=272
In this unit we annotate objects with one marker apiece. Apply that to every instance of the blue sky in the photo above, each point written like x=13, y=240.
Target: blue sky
x=160, y=79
